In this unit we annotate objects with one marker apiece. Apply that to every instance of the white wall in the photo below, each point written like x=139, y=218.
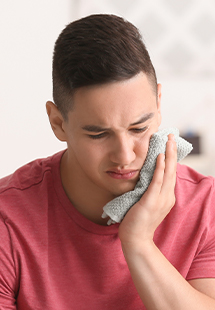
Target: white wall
x=28, y=30
x=180, y=36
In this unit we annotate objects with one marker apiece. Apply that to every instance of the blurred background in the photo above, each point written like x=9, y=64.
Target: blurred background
x=180, y=37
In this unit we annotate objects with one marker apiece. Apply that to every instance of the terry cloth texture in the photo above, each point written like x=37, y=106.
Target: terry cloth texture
x=118, y=207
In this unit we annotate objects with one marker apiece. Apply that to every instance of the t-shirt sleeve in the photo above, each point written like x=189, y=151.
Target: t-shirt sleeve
x=203, y=265
x=7, y=270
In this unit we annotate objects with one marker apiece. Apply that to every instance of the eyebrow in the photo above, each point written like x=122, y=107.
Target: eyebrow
x=143, y=119
x=94, y=128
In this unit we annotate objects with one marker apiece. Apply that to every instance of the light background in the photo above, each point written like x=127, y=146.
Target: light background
x=180, y=36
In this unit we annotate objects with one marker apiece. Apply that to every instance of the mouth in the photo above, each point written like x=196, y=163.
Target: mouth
x=123, y=174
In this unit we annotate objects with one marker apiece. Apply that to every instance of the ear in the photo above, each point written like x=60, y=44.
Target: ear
x=159, y=103
x=56, y=120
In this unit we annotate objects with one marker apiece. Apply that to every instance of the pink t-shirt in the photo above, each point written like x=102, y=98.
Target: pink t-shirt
x=53, y=258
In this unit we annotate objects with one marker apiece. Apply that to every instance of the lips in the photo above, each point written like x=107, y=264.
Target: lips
x=122, y=174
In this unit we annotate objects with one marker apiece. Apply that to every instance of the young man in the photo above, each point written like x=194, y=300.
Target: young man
x=56, y=252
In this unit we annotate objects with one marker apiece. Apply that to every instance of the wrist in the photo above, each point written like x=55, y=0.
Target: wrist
x=144, y=248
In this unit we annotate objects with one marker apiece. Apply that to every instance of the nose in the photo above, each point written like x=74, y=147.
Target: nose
x=122, y=151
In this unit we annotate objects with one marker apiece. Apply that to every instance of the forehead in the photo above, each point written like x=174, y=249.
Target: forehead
x=115, y=102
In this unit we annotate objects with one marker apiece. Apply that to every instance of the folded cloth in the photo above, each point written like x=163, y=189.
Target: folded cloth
x=118, y=207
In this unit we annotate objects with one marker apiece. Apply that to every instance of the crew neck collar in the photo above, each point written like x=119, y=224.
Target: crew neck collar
x=66, y=204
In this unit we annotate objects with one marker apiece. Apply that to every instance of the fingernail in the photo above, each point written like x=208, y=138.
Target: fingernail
x=171, y=137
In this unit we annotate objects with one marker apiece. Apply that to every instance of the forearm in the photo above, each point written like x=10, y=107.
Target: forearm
x=159, y=284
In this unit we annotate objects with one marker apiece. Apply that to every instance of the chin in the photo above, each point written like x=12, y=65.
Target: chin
x=120, y=191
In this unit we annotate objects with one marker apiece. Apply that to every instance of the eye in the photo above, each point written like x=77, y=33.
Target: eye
x=99, y=136
x=139, y=130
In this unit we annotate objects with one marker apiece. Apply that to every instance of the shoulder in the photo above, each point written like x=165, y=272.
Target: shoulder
x=191, y=179
x=194, y=191
x=29, y=174
x=28, y=184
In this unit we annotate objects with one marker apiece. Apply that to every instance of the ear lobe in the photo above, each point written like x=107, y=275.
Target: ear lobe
x=56, y=120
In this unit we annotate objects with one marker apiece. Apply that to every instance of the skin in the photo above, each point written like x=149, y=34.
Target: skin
x=120, y=146
x=107, y=133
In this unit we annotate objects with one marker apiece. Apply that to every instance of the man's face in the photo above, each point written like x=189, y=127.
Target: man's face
x=108, y=133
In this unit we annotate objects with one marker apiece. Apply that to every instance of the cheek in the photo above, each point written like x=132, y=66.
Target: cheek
x=90, y=155
x=143, y=143
x=142, y=146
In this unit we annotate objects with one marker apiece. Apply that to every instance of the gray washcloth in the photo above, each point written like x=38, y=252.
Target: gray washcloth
x=118, y=207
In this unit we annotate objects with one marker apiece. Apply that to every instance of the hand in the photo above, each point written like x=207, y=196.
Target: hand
x=145, y=216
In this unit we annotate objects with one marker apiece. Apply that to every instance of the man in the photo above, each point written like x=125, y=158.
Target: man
x=56, y=251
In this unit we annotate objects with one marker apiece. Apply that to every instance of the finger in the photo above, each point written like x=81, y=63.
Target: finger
x=157, y=180
x=170, y=165
x=171, y=157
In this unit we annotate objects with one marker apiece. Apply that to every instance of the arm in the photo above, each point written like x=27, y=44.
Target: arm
x=158, y=283
x=7, y=270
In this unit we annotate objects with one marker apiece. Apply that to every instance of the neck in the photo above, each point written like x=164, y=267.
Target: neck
x=85, y=197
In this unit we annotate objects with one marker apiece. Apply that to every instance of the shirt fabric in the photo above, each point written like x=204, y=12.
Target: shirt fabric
x=53, y=258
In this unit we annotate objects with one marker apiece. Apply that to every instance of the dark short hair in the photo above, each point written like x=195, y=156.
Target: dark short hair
x=94, y=50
